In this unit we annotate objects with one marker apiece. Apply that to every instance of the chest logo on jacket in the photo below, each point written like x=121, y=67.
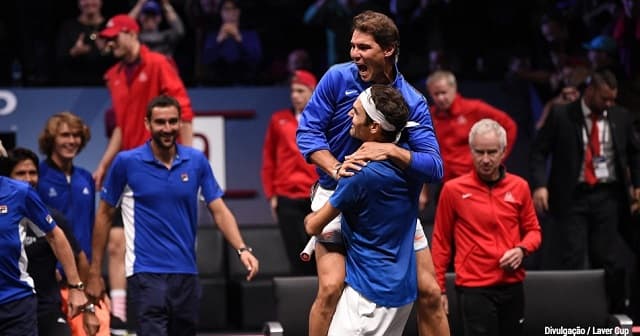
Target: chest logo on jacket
x=508, y=197
x=350, y=92
x=52, y=192
x=143, y=77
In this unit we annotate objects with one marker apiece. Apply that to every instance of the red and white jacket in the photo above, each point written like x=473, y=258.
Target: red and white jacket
x=155, y=75
x=483, y=222
x=284, y=170
x=452, y=131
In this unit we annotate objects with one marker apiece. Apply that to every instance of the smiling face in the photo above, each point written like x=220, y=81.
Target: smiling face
x=66, y=144
x=369, y=56
x=164, y=125
x=360, y=124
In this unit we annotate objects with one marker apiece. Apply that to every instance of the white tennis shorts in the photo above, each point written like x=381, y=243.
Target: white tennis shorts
x=355, y=315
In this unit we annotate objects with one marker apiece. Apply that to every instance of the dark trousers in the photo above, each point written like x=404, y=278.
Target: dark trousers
x=291, y=213
x=165, y=304
x=492, y=311
x=19, y=317
x=53, y=323
x=590, y=239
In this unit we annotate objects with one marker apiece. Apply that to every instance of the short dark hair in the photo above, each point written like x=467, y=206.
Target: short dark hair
x=16, y=155
x=163, y=101
x=602, y=77
x=390, y=102
x=381, y=27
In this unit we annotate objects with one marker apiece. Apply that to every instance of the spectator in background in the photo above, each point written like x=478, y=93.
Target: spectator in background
x=602, y=53
x=133, y=82
x=594, y=157
x=69, y=189
x=34, y=24
x=453, y=115
x=281, y=72
x=286, y=177
x=488, y=231
x=81, y=58
x=298, y=59
x=573, y=83
x=231, y=54
x=626, y=32
x=335, y=16
x=556, y=49
x=149, y=15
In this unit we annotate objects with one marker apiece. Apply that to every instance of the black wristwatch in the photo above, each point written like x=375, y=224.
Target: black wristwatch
x=243, y=249
x=78, y=286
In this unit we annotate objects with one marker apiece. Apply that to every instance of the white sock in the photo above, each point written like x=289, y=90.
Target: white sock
x=119, y=303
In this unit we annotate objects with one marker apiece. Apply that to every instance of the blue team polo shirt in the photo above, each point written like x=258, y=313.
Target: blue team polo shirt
x=325, y=123
x=18, y=200
x=160, y=207
x=74, y=197
x=379, y=211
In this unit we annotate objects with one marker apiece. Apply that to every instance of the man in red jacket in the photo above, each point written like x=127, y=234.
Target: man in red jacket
x=286, y=176
x=488, y=215
x=453, y=116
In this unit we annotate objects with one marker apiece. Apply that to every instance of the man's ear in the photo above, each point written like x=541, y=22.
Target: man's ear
x=389, y=51
x=374, y=128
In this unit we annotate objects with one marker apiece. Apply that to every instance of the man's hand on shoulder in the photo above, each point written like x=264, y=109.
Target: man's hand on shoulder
x=372, y=151
x=350, y=167
x=379, y=151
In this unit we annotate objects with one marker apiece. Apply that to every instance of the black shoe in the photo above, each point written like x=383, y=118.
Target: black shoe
x=118, y=327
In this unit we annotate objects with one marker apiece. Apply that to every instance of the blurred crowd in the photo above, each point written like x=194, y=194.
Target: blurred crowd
x=252, y=42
